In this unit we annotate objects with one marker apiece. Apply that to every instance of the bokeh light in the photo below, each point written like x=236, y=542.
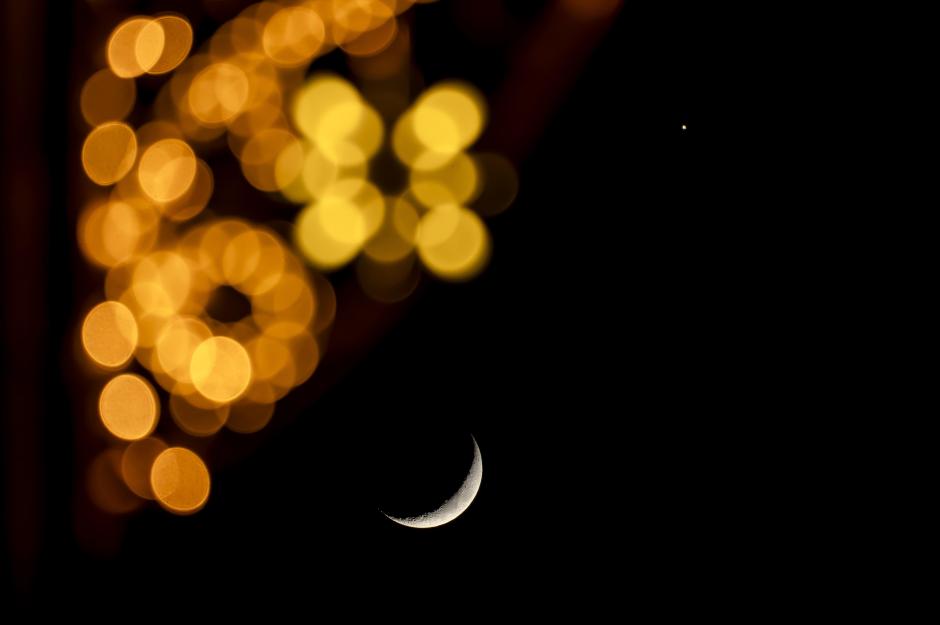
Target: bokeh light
x=109, y=334
x=134, y=46
x=194, y=200
x=455, y=182
x=177, y=41
x=498, y=185
x=180, y=480
x=395, y=238
x=448, y=117
x=114, y=232
x=248, y=417
x=196, y=415
x=136, y=463
x=293, y=35
x=374, y=41
x=331, y=232
x=107, y=97
x=149, y=44
x=218, y=93
x=109, y=152
x=220, y=369
x=262, y=153
x=162, y=284
x=167, y=170
x=452, y=242
x=176, y=343
x=144, y=45
x=327, y=107
x=128, y=407
x=106, y=486
x=388, y=282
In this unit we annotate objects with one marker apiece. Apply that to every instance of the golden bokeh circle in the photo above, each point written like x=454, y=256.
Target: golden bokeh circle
x=453, y=242
x=449, y=117
x=167, y=170
x=109, y=152
x=180, y=480
x=123, y=44
x=128, y=407
x=107, y=97
x=178, y=40
x=136, y=463
x=220, y=369
x=109, y=334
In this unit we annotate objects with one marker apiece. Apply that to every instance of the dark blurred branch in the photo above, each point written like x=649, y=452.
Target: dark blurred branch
x=23, y=231
x=542, y=72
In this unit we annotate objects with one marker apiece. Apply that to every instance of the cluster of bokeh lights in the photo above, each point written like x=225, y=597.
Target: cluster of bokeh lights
x=310, y=141
x=346, y=215
x=216, y=373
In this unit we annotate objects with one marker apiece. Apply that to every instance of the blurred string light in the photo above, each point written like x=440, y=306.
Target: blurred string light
x=314, y=142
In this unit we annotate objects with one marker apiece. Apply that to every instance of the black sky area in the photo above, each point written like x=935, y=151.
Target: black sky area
x=586, y=361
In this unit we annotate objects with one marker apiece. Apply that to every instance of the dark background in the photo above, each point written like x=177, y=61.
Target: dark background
x=588, y=360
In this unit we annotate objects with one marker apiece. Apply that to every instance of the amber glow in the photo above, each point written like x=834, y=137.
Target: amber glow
x=148, y=46
x=248, y=417
x=106, y=486
x=136, y=462
x=109, y=152
x=197, y=416
x=218, y=93
x=327, y=107
x=162, y=283
x=395, y=238
x=220, y=369
x=194, y=200
x=261, y=154
x=176, y=343
x=128, y=407
x=452, y=242
x=143, y=45
x=107, y=97
x=456, y=182
x=177, y=41
x=374, y=41
x=180, y=480
x=134, y=40
x=109, y=334
x=293, y=35
x=448, y=117
x=167, y=170
x=112, y=233
x=388, y=281
x=498, y=184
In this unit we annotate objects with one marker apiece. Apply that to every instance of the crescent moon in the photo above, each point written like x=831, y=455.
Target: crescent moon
x=457, y=504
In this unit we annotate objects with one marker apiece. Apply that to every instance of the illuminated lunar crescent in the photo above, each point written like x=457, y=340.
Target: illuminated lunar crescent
x=456, y=505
